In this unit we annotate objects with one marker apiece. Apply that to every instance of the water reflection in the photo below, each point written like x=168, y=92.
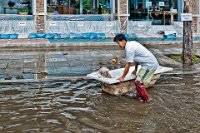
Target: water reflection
x=80, y=106
x=56, y=64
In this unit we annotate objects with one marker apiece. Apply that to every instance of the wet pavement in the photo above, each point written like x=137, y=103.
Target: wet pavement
x=46, y=64
x=77, y=104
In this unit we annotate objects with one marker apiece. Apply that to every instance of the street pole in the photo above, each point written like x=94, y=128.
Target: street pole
x=187, y=36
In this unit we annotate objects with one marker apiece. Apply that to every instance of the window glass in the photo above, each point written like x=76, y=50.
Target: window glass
x=78, y=7
x=16, y=7
x=156, y=10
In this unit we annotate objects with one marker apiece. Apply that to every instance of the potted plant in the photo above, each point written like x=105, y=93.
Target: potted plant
x=105, y=10
x=86, y=6
x=11, y=4
x=50, y=10
x=23, y=10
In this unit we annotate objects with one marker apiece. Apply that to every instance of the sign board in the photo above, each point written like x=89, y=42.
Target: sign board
x=22, y=23
x=161, y=3
x=52, y=23
x=148, y=4
x=186, y=17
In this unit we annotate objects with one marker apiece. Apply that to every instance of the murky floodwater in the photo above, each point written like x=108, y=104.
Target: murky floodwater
x=80, y=106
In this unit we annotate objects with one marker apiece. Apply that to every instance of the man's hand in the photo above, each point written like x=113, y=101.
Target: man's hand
x=121, y=79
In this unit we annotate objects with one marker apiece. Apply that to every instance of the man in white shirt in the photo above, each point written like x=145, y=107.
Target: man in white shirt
x=137, y=53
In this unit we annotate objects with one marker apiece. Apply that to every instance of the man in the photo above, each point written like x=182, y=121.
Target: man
x=137, y=53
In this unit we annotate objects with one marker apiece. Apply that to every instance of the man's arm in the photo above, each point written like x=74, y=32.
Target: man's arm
x=128, y=64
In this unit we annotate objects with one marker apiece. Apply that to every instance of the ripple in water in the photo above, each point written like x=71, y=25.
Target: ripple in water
x=80, y=106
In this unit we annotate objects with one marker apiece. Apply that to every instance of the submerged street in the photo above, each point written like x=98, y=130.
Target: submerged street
x=60, y=98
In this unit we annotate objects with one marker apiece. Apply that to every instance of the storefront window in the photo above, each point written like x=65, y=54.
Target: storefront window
x=158, y=11
x=16, y=7
x=78, y=6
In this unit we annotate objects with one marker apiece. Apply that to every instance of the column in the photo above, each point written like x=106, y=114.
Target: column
x=123, y=15
x=81, y=6
x=195, y=20
x=40, y=15
x=112, y=3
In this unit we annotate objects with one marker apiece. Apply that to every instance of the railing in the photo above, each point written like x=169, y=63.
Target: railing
x=103, y=17
x=145, y=28
x=20, y=24
x=82, y=26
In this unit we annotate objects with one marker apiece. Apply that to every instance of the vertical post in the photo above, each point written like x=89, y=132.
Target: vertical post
x=40, y=15
x=187, y=36
x=180, y=8
x=81, y=6
x=123, y=15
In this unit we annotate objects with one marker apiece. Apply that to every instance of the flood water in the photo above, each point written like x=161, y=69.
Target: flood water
x=79, y=106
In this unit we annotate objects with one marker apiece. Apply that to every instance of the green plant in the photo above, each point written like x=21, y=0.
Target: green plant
x=23, y=9
x=11, y=4
x=77, y=4
x=105, y=10
x=86, y=4
x=50, y=9
x=179, y=58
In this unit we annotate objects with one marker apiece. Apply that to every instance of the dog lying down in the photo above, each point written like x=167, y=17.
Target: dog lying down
x=104, y=71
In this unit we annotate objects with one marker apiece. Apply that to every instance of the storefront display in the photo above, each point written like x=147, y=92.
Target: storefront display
x=16, y=7
x=160, y=12
x=80, y=6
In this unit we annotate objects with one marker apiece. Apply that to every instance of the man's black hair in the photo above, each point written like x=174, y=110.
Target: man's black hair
x=120, y=37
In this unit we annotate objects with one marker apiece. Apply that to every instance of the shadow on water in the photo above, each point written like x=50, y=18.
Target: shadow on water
x=80, y=106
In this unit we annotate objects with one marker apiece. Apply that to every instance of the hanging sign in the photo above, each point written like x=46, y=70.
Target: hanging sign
x=161, y=3
x=186, y=17
x=22, y=23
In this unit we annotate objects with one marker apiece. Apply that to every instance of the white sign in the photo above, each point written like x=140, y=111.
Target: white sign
x=186, y=17
x=53, y=23
x=22, y=23
x=80, y=24
x=148, y=4
x=161, y=3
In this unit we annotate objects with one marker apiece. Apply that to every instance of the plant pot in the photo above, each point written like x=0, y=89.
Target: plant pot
x=23, y=13
x=50, y=14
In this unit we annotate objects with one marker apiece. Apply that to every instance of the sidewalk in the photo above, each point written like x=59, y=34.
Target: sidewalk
x=39, y=43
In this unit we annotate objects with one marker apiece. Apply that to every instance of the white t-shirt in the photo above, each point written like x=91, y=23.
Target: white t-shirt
x=136, y=52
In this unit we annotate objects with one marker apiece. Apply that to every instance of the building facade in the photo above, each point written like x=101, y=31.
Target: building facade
x=108, y=16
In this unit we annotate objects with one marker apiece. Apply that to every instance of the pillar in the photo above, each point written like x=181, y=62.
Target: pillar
x=40, y=15
x=123, y=15
x=187, y=35
x=180, y=9
x=195, y=12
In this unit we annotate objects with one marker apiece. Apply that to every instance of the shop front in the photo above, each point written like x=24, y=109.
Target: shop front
x=148, y=17
x=162, y=12
x=81, y=16
x=101, y=16
x=16, y=16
